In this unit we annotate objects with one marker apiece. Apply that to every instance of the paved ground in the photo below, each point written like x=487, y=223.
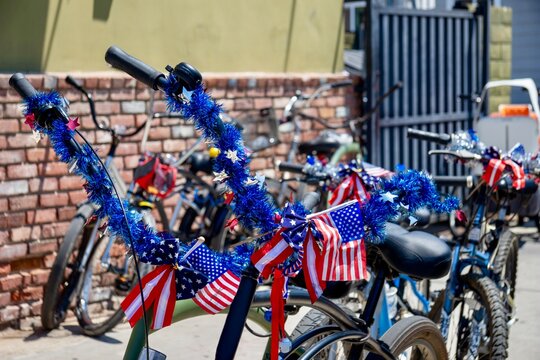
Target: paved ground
x=197, y=338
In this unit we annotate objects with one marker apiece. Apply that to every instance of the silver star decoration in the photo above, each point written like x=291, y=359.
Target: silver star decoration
x=232, y=155
x=406, y=207
x=186, y=94
x=388, y=196
x=72, y=166
x=261, y=179
x=220, y=176
x=293, y=222
x=251, y=181
x=171, y=246
x=412, y=220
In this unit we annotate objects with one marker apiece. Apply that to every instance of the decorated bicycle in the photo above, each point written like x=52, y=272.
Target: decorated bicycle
x=328, y=246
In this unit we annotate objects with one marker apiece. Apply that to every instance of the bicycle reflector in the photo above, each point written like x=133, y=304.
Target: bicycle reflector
x=155, y=177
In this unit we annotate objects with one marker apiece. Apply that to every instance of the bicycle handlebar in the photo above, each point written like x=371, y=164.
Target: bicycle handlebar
x=341, y=84
x=461, y=153
x=291, y=167
x=75, y=83
x=146, y=74
x=442, y=139
x=21, y=84
x=449, y=180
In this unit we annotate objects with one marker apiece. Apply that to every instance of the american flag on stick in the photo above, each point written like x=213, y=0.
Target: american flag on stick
x=343, y=250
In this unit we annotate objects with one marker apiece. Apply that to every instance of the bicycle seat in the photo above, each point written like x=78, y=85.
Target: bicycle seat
x=201, y=162
x=416, y=253
x=326, y=143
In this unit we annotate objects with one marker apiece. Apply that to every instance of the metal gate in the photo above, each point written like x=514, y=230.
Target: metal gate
x=438, y=56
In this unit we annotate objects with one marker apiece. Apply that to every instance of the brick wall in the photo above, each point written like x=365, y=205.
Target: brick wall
x=38, y=196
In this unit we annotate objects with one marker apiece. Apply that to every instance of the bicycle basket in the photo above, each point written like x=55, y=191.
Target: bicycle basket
x=155, y=177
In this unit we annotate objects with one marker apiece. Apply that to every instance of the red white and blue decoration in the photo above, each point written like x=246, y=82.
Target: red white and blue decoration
x=325, y=245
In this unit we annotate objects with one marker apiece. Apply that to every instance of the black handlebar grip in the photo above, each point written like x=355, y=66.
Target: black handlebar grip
x=311, y=200
x=121, y=60
x=448, y=180
x=443, y=139
x=74, y=82
x=21, y=84
x=341, y=84
x=290, y=167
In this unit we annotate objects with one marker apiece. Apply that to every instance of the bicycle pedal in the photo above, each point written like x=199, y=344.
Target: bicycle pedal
x=154, y=354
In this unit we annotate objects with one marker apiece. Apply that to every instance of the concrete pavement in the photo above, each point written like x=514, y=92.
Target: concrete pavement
x=197, y=338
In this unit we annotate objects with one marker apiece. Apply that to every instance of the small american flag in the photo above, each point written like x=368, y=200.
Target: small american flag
x=352, y=187
x=377, y=171
x=222, y=283
x=342, y=230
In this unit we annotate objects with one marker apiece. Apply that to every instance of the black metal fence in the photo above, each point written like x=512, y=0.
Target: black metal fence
x=438, y=56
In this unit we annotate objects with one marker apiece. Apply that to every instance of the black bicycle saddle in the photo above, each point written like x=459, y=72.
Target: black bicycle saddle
x=323, y=144
x=416, y=253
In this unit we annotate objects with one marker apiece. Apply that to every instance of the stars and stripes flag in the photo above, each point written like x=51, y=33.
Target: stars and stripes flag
x=222, y=284
x=343, y=251
x=377, y=171
x=352, y=187
x=495, y=168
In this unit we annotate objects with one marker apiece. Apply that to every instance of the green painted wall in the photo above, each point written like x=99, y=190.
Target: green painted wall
x=213, y=35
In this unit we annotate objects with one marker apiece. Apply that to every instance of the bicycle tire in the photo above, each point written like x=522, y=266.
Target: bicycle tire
x=51, y=316
x=506, y=262
x=88, y=322
x=416, y=331
x=497, y=327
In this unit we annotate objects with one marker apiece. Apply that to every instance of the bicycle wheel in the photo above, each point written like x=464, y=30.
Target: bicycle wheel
x=109, y=276
x=66, y=273
x=415, y=337
x=506, y=262
x=482, y=330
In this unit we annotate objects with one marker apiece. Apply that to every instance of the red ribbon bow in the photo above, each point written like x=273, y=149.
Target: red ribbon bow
x=495, y=169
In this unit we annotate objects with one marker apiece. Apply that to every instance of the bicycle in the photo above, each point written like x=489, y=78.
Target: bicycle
x=484, y=259
x=417, y=333
x=87, y=252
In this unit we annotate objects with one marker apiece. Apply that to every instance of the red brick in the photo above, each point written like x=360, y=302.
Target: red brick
x=25, y=233
x=26, y=278
x=36, y=307
x=21, y=140
x=54, y=230
x=243, y=104
x=173, y=145
x=28, y=293
x=127, y=149
x=105, y=83
x=77, y=196
x=40, y=155
x=43, y=184
x=55, y=199
x=79, y=109
x=4, y=238
x=70, y=182
x=5, y=299
x=326, y=112
x=154, y=146
x=123, y=119
x=72, y=96
x=9, y=313
x=258, y=164
x=10, y=282
x=9, y=126
x=55, y=169
x=334, y=101
x=3, y=205
x=22, y=171
x=41, y=216
x=11, y=156
x=12, y=111
x=48, y=260
x=40, y=276
x=3, y=175
x=142, y=94
x=5, y=269
x=123, y=94
x=14, y=187
x=100, y=95
x=262, y=103
x=107, y=107
x=9, y=220
x=43, y=247
x=160, y=133
x=66, y=213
